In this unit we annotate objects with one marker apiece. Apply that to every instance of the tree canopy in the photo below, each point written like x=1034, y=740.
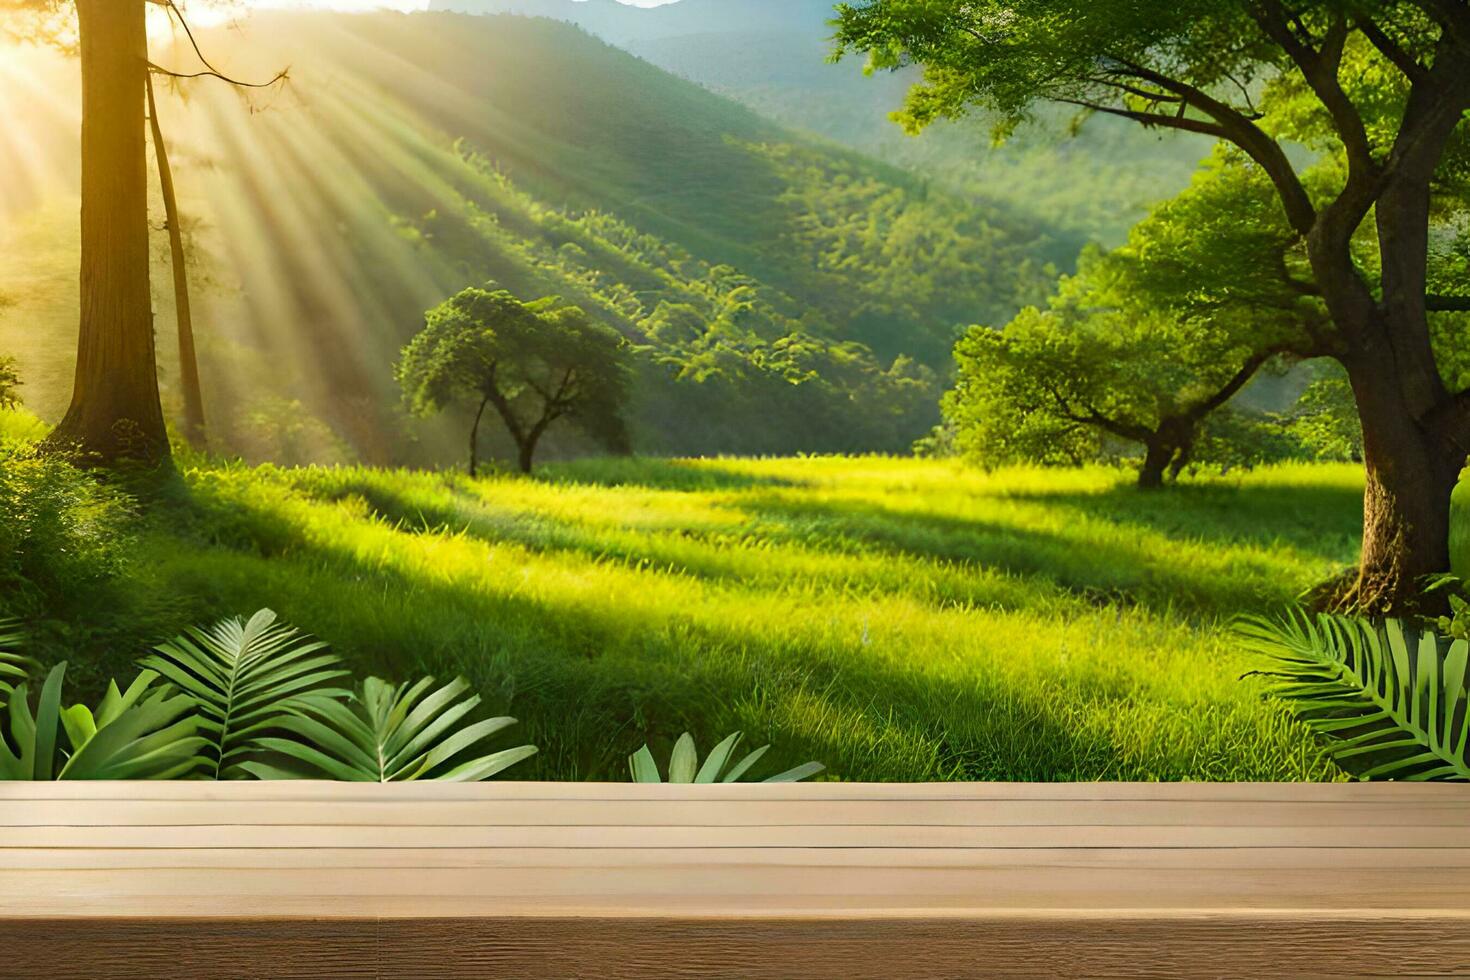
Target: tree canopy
x=534, y=363
x=1375, y=91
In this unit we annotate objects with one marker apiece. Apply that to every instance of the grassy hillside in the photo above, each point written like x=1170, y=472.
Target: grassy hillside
x=771, y=55
x=789, y=295
x=895, y=619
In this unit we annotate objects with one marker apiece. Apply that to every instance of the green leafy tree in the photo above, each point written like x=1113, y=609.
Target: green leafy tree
x=1145, y=344
x=534, y=363
x=1056, y=387
x=1378, y=88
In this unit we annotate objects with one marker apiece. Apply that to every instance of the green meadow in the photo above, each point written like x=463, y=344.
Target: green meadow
x=896, y=619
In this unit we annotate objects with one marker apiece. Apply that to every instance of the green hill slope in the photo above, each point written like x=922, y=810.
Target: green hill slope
x=787, y=294
x=771, y=55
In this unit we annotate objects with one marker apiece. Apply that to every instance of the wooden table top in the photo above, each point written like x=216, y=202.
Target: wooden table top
x=1300, y=863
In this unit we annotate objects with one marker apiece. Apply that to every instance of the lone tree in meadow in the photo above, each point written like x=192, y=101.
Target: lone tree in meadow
x=1146, y=343
x=1377, y=88
x=534, y=363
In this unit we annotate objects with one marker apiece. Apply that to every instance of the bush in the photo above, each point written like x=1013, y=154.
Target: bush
x=62, y=533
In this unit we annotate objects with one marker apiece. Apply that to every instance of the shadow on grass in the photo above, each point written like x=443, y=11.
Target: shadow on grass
x=590, y=690
x=1100, y=573
x=659, y=474
x=1321, y=520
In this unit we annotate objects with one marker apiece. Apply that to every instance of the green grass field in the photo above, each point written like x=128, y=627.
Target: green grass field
x=894, y=619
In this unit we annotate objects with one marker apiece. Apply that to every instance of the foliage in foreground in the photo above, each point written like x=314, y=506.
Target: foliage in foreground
x=148, y=731
x=12, y=663
x=242, y=677
x=720, y=766
x=1390, y=699
x=229, y=701
x=386, y=734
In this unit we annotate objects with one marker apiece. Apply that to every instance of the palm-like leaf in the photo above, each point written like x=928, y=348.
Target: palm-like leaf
x=386, y=734
x=13, y=666
x=241, y=675
x=684, y=765
x=1391, y=700
x=143, y=733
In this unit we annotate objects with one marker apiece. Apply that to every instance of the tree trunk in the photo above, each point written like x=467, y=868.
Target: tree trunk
x=115, y=412
x=1156, y=462
x=1411, y=476
x=183, y=312
x=1411, y=459
x=475, y=439
x=1183, y=456
x=527, y=451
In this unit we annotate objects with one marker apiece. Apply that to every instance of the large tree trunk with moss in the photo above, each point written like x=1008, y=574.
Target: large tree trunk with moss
x=115, y=412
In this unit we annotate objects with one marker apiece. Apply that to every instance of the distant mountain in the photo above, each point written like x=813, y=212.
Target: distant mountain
x=623, y=24
x=772, y=56
x=785, y=294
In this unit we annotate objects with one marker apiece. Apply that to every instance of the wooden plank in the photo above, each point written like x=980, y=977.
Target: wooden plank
x=675, y=838
x=1017, y=948
x=1296, y=794
x=743, y=884
x=695, y=812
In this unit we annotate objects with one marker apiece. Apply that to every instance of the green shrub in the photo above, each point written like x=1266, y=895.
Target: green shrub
x=62, y=533
x=9, y=383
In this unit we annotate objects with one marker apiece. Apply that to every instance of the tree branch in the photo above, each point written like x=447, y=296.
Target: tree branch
x=211, y=73
x=1392, y=50
x=1151, y=119
x=1240, y=129
x=1123, y=430
x=1232, y=387
x=1447, y=304
x=1320, y=70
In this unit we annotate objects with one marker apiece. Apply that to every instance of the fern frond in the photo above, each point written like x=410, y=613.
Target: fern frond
x=1389, y=699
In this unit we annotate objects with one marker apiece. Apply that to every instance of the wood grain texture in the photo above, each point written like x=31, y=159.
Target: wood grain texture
x=621, y=949
x=822, y=880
